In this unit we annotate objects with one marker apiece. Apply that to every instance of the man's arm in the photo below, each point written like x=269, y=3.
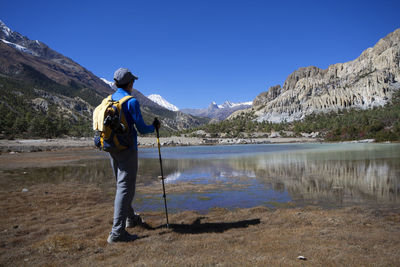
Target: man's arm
x=134, y=110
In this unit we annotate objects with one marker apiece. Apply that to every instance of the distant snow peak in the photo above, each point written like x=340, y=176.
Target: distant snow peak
x=162, y=102
x=228, y=104
x=111, y=84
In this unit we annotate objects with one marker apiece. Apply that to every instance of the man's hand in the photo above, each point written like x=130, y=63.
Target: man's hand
x=156, y=123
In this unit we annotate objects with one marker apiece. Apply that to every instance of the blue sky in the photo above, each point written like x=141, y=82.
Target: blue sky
x=194, y=52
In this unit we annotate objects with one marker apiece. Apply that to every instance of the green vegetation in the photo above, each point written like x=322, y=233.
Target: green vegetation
x=20, y=118
x=380, y=123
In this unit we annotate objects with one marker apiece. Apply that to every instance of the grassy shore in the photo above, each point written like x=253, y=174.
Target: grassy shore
x=67, y=224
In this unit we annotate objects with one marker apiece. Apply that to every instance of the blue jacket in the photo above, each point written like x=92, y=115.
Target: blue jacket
x=133, y=115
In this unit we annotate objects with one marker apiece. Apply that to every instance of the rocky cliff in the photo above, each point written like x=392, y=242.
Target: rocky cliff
x=363, y=83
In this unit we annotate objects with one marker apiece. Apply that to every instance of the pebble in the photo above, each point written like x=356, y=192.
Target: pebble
x=25, y=190
x=302, y=258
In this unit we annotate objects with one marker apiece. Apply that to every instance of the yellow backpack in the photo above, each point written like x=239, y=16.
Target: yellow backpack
x=112, y=132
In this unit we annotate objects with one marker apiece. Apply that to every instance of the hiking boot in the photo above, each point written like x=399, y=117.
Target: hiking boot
x=134, y=221
x=125, y=237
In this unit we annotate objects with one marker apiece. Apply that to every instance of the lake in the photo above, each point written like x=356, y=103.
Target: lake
x=241, y=176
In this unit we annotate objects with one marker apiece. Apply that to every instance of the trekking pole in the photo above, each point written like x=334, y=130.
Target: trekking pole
x=162, y=176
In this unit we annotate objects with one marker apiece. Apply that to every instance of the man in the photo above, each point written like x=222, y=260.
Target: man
x=125, y=162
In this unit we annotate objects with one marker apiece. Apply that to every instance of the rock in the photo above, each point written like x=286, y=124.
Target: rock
x=302, y=258
x=274, y=135
x=310, y=135
x=265, y=97
x=40, y=104
x=364, y=83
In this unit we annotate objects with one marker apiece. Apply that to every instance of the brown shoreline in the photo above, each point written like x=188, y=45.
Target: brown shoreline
x=67, y=223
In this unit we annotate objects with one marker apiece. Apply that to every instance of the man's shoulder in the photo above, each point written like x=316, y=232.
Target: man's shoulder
x=117, y=96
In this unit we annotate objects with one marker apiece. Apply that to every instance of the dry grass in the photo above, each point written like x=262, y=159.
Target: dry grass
x=68, y=223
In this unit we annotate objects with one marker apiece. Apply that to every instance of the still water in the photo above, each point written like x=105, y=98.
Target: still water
x=330, y=175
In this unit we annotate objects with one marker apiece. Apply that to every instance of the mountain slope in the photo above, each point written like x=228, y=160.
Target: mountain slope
x=39, y=56
x=364, y=83
x=34, y=79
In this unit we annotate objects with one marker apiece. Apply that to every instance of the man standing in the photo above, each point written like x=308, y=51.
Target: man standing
x=125, y=163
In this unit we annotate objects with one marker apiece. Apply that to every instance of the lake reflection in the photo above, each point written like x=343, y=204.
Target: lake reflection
x=250, y=175
x=326, y=174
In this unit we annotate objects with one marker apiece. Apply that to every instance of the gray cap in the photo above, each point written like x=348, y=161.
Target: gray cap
x=124, y=76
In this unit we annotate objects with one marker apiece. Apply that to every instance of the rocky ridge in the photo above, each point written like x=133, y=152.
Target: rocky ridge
x=17, y=51
x=366, y=82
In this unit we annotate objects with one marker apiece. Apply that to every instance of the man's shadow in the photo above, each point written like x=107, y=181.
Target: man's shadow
x=197, y=227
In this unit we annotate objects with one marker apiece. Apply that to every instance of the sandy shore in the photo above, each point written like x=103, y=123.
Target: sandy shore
x=34, y=145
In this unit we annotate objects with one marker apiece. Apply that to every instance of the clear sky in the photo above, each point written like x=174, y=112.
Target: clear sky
x=193, y=52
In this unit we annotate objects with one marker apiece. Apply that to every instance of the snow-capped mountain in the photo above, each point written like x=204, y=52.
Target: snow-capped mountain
x=228, y=104
x=20, y=54
x=18, y=42
x=162, y=102
x=111, y=84
x=219, y=112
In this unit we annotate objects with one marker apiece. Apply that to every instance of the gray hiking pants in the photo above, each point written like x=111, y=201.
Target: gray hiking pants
x=124, y=165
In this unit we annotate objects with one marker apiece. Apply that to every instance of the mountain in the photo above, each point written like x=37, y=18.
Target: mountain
x=111, y=84
x=45, y=94
x=162, y=102
x=219, y=112
x=366, y=82
x=17, y=51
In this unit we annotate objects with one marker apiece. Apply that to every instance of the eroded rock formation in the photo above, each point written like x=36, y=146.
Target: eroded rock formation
x=368, y=81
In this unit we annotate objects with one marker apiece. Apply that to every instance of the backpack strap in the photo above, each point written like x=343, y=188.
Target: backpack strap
x=119, y=106
x=124, y=99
